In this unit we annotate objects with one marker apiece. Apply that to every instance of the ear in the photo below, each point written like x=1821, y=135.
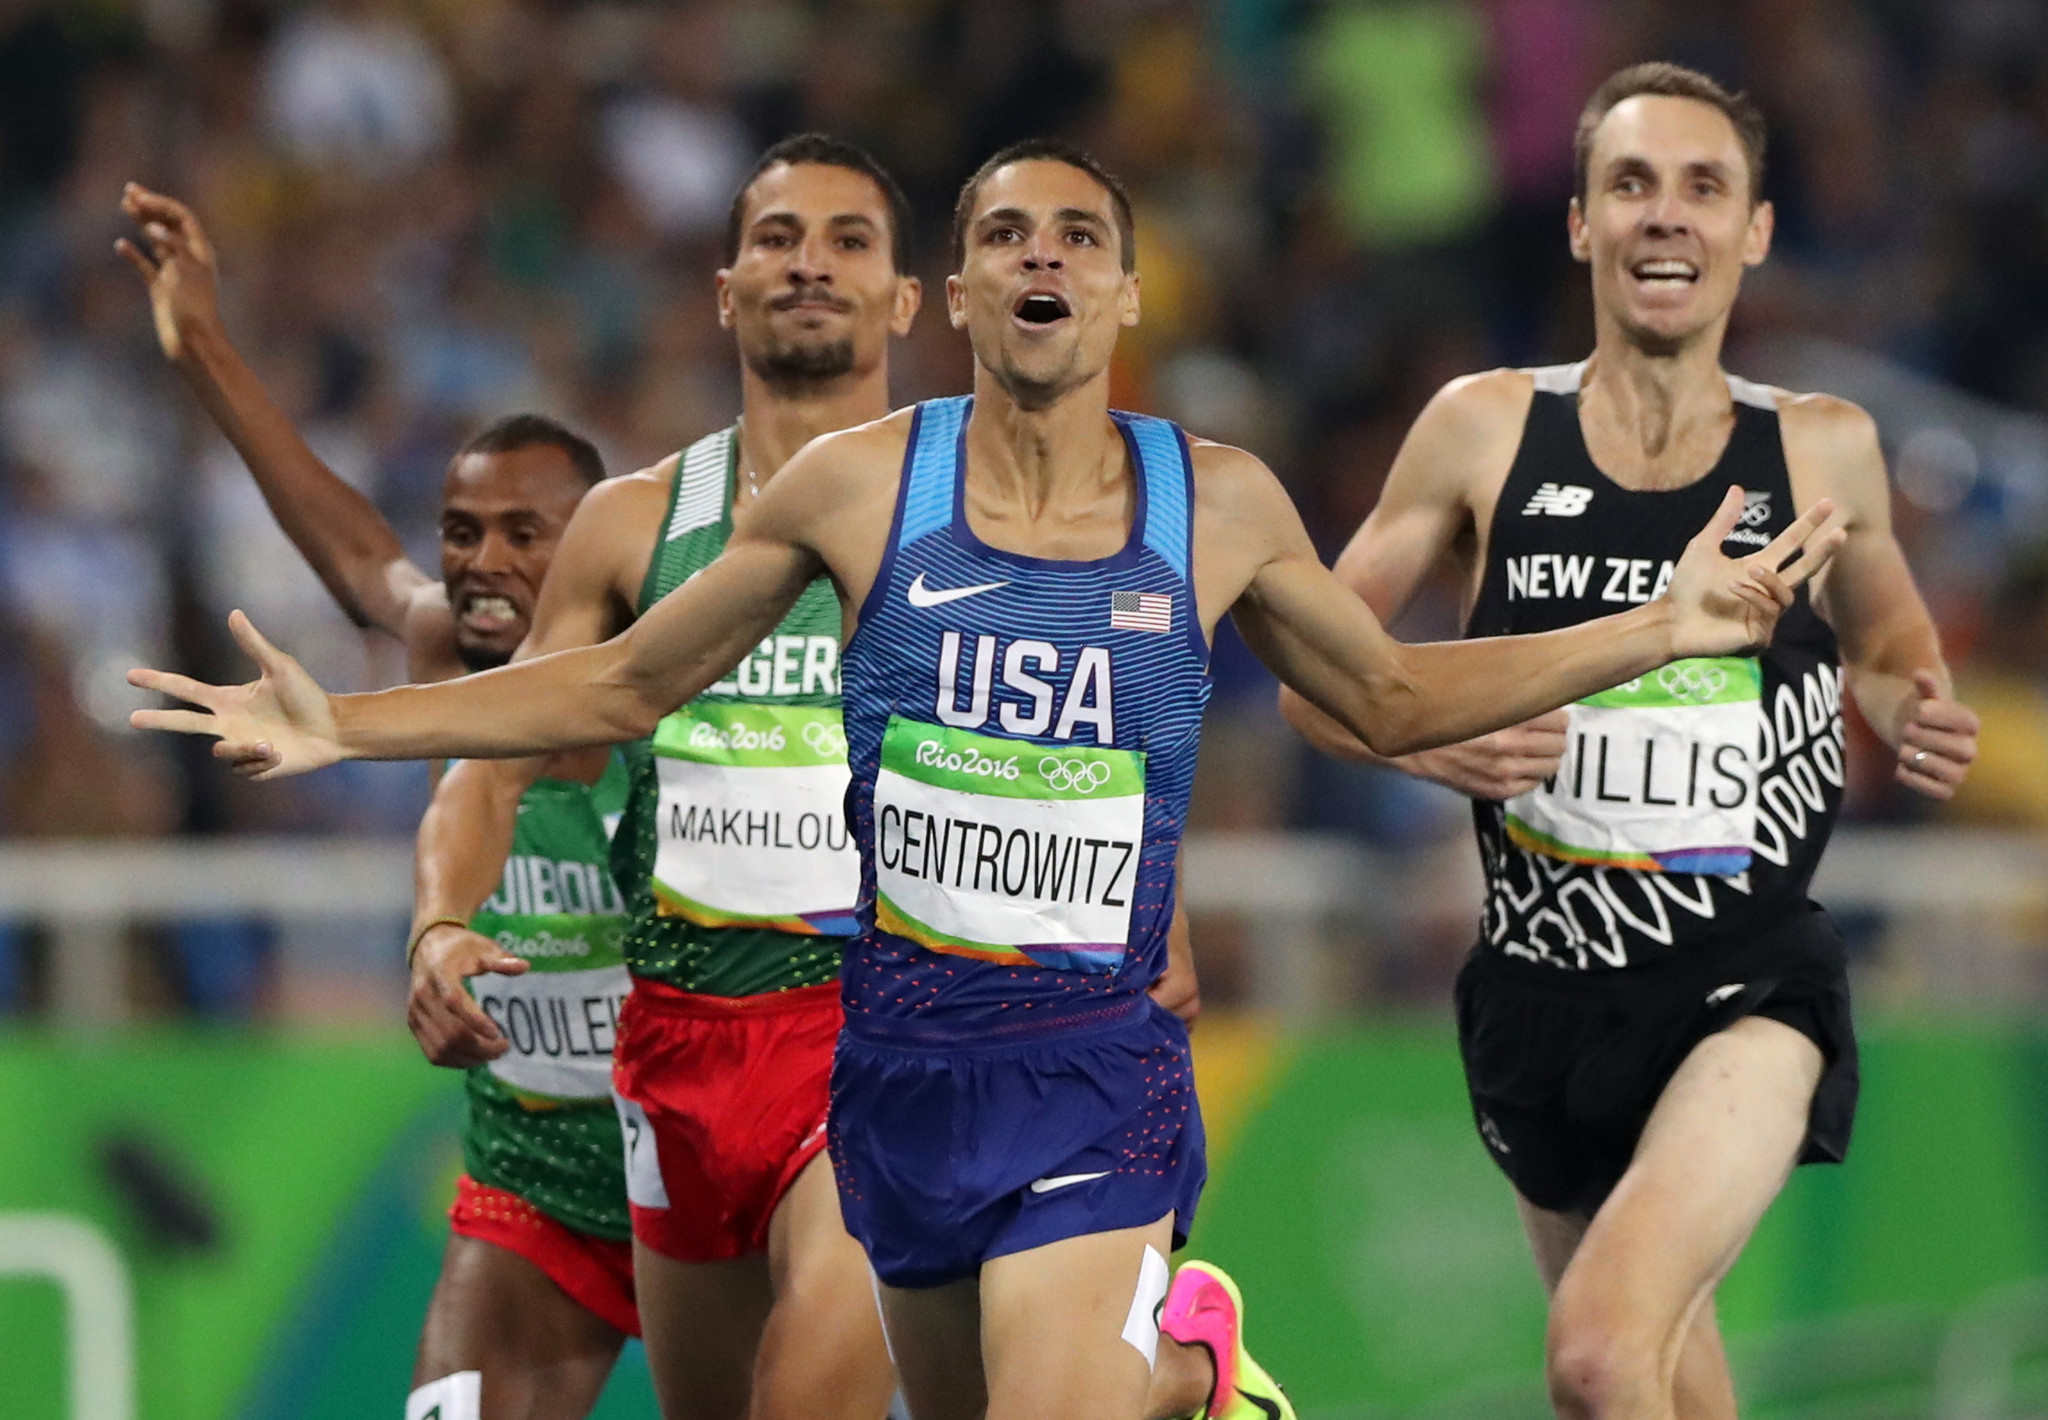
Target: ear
x=1127, y=301
x=722, y=279
x=1576, y=233
x=1756, y=239
x=956, y=302
x=909, y=297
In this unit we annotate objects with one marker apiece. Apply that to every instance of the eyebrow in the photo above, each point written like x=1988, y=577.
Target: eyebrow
x=1078, y=215
x=1630, y=163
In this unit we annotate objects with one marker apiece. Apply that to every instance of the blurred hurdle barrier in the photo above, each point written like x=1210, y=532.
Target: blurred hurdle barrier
x=1964, y=912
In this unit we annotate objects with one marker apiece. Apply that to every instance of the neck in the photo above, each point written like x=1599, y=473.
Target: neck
x=1034, y=455
x=777, y=420
x=1655, y=396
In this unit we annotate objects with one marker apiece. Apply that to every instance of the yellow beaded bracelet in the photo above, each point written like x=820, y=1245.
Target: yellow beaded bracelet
x=412, y=947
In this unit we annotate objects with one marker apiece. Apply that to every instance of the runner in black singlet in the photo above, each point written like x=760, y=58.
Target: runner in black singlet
x=1655, y=1022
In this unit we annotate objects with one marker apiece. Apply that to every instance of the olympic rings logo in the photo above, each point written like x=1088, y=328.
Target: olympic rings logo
x=826, y=741
x=1692, y=682
x=1073, y=776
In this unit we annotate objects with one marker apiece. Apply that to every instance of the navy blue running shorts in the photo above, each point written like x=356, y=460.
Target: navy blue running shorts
x=952, y=1152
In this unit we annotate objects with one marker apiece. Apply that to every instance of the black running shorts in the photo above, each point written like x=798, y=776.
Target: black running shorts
x=1564, y=1067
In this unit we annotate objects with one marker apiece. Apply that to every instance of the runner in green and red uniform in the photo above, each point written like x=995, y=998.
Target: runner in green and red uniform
x=535, y=1296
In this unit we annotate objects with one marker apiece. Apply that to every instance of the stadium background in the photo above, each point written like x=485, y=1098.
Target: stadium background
x=430, y=214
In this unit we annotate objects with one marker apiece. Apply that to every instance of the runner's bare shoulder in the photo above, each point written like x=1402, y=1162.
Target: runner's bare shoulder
x=1832, y=450
x=1467, y=435
x=842, y=482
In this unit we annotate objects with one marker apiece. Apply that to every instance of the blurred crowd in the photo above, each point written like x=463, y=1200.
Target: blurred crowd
x=430, y=214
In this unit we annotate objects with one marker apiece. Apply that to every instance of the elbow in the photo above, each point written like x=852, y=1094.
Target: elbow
x=1391, y=722
x=1394, y=741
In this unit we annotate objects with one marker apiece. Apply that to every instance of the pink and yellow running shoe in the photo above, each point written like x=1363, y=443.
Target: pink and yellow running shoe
x=1203, y=1308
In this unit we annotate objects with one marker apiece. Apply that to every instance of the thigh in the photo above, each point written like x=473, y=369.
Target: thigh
x=702, y=1322
x=935, y=1341
x=1553, y=1238
x=1061, y=1327
x=822, y=1354
x=543, y=1356
x=1718, y=1147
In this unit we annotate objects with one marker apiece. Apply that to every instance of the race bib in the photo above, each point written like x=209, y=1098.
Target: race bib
x=561, y=1025
x=567, y=920
x=752, y=829
x=1659, y=774
x=1005, y=850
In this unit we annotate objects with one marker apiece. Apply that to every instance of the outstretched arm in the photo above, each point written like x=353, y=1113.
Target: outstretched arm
x=337, y=530
x=1321, y=639
x=1437, y=496
x=285, y=723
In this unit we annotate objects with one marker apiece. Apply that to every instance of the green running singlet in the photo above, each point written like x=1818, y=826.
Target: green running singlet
x=734, y=856
x=539, y=1120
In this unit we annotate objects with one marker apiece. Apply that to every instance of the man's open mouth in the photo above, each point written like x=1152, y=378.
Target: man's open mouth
x=488, y=612
x=1041, y=308
x=1665, y=271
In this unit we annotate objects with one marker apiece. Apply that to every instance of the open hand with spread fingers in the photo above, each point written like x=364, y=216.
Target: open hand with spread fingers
x=1720, y=604
x=1937, y=739
x=278, y=725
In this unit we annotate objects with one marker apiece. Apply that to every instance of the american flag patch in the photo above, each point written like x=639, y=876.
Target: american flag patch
x=1140, y=611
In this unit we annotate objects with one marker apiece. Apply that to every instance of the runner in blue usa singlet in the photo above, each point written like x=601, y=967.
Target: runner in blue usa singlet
x=1022, y=738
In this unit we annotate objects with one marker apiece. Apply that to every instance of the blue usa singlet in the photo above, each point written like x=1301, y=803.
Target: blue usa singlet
x=1022, y=736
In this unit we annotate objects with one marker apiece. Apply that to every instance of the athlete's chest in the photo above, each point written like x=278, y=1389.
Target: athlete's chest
x=1057, y=651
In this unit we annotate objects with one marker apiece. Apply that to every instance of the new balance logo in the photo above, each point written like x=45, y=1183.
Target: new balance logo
x=1558, y=500
x=922, y=596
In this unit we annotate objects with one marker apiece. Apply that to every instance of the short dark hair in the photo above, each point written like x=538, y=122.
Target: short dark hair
x=829, y=152
x=1051, y=150
x=526, y=431
x=1673, y=81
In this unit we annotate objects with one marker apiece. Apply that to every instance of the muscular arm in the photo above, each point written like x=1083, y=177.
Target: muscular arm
x=337, y=530
x=1321, y=639
x=1458, y=450
x=1891, y=652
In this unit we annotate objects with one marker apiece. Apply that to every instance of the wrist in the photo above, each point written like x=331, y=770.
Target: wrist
x=1659, y=620
x=344, y=714
x=426, y=929
x=203, y=343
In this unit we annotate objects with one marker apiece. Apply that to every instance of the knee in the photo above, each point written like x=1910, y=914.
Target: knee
x=1598, y=1372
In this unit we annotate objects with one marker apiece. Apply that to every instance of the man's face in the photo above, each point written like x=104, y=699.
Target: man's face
x=813, y=294
x=502, y=516
x=1667, y=224
x=1042, y=291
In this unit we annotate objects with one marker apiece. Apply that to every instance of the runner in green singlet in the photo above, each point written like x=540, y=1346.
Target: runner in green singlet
x=535, y=1296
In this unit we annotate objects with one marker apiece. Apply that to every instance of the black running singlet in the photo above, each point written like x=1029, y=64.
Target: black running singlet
x=1692, y=804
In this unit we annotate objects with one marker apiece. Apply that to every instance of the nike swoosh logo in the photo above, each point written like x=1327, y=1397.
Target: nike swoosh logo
x=1266, y=1407
x=1047, y=1185
x=922, y=596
